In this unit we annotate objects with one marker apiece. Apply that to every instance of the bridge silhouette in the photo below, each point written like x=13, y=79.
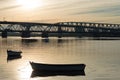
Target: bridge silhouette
x=61, y=29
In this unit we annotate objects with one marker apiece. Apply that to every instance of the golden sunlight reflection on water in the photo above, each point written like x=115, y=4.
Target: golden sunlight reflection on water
x=24, y=72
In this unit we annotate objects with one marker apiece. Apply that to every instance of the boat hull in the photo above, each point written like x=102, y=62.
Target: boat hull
x=57, y=73
x=57, y=67
x=14, y=53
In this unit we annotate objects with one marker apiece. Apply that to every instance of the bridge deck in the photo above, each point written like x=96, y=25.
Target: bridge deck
x=63, y=27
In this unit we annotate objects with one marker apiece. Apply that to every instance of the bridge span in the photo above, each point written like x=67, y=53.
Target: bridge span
x=61, y=29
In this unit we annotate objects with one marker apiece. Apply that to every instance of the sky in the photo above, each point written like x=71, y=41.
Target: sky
x=52, y=11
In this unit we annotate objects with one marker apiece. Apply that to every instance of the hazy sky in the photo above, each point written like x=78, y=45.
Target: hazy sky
x=107, y=11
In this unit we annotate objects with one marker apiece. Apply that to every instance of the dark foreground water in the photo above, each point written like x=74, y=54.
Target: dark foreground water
x=101, y=56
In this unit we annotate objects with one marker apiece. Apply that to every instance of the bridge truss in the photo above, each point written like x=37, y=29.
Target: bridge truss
x=60, y=29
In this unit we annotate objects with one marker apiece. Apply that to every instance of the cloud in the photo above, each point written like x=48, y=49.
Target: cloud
x=76, y=7
x=9, y=7
x=113, y=10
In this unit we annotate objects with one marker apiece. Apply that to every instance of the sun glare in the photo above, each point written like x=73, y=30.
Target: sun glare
x=25, y=72
x=30, y=4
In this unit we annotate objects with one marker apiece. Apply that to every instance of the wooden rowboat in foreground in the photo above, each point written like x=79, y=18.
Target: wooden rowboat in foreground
x=57, y=67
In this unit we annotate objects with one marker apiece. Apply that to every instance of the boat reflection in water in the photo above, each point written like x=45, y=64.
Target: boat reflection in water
x=10, y=58
x=40, y=69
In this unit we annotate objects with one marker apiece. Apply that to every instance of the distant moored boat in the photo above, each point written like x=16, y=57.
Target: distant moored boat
x=13, y=53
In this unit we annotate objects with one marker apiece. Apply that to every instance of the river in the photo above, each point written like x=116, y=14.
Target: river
x=101, y=56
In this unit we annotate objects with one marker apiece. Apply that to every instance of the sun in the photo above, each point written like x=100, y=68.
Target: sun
x=30, y=4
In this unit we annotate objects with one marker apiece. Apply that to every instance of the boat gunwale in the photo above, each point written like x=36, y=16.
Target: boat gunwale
x=56, y=64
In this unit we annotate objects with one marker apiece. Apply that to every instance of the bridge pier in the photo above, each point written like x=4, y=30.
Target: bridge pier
x=44, y=34
x=60, y=35
x=79, y=31
x=59, y=32
x=25, y=34
x=4, y=34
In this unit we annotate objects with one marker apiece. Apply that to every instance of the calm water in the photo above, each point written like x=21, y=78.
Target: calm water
x=102, y=57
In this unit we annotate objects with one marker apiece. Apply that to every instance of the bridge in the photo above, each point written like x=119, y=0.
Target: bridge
x=61, y=29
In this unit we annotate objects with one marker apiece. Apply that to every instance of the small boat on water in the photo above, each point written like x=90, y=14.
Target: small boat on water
x=57, y=67
x=13, y=53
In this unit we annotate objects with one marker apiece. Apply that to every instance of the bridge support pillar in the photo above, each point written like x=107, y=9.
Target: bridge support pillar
x=60, y=35
x=4, y=34
x=59, y=32
x=25, y=34
x=79, y=31
x=44, y=35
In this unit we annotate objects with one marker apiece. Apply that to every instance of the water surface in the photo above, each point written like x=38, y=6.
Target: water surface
x=101, y=57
